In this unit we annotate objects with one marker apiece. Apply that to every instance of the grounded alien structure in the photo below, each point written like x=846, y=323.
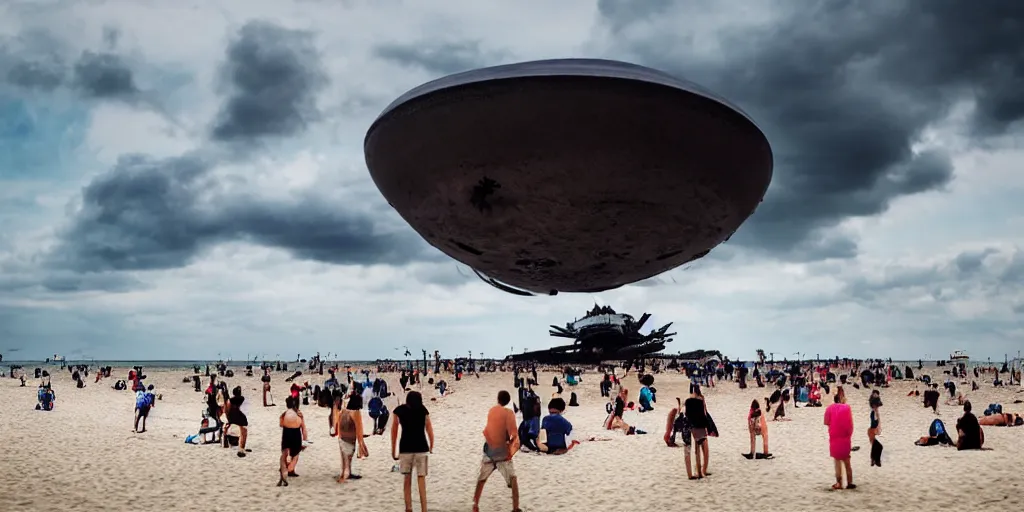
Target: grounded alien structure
x=572, y=175
x=600, y=336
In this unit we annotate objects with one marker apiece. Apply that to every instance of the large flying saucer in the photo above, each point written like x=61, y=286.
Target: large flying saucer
x=572, y=175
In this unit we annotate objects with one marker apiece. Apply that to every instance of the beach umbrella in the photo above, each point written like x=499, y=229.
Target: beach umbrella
x=569, y=175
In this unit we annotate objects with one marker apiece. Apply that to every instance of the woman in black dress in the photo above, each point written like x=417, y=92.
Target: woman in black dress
x=236, y=417
x=293, y=436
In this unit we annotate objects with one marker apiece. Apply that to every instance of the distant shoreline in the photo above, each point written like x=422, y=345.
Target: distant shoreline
x=189, y=363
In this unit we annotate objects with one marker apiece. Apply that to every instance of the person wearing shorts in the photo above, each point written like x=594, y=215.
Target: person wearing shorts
x=417, y=441
x=409, y=462
x=501, y=442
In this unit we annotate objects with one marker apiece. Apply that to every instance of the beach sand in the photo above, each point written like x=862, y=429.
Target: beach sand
x=83, y=455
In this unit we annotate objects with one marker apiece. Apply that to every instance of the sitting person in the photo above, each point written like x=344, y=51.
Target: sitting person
x=529, y=428
x=1008, y=419
x=936, y=435
x=970, y=436
x=614, y=420
x=647, y=397
x=209, y=434
x=931, y=398
x=46, y=397
x=814, y=396
x=555, y=430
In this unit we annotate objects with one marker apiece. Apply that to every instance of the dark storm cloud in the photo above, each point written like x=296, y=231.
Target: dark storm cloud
x=970, y=262
x=843, y=90
x=438, y=58
x=42, y=74
x=275, y=75
x=969, y=269
x=34, y=60
x=103, y=76
x=148, y=214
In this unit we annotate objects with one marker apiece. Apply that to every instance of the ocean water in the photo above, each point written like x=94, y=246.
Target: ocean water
x=166, y=364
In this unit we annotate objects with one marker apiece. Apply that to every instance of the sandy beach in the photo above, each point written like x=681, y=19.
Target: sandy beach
x=84, y=456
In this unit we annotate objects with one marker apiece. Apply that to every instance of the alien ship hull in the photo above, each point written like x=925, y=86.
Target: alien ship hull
x=569, y=175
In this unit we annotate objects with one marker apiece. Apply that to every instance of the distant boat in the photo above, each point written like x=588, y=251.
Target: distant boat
x=57, y=358
x=959, y=356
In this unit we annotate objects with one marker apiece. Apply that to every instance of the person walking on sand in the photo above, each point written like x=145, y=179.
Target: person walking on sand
x=237, y=417
x=839, y=420
x=417, y=442
x=349, y=428
x=501, y=442
x=143, y=403
x=293, y=439
x=696, y=413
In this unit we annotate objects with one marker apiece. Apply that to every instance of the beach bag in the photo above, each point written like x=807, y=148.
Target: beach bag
x=994, y=409
x=140, y=400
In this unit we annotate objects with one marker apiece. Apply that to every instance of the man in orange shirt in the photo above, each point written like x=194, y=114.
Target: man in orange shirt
x=502, y=442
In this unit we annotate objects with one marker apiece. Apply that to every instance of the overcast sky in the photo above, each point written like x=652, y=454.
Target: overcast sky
x=186, y=179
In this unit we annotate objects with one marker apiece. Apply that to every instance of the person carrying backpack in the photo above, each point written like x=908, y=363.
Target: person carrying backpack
x=380, y=415
x=143, y=402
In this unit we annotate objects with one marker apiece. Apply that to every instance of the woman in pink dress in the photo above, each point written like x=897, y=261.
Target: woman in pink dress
x=839, y=420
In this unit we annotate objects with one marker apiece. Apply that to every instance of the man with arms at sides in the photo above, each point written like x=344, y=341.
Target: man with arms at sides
x=417, y=441
x=501, y=442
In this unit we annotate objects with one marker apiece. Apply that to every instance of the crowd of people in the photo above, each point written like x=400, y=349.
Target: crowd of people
x=689, y=425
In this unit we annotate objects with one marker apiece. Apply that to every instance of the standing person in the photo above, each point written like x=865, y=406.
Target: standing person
x=501, y=442
x=349, y=425
x=266, y=387
x=697, y=415
x=417, y=441
x=143, y=402
x=678, y=424
x=839, y=420
x=293, y=438
x=235, y=416
x=875, y=428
